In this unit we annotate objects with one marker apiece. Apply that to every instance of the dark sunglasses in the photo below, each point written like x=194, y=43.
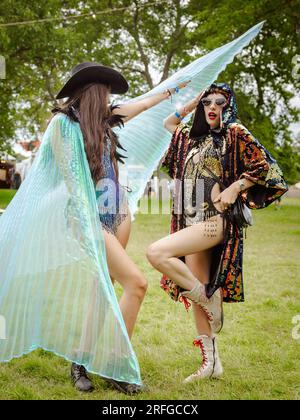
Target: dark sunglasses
x=218, y=101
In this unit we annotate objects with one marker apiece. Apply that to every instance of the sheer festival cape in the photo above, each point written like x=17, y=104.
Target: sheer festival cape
x=55, y=288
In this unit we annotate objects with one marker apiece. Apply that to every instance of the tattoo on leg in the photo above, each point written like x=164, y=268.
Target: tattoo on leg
x=210, y=228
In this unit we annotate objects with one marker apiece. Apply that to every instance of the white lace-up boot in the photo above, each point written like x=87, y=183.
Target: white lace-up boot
x=211, y=366
x=213, y=307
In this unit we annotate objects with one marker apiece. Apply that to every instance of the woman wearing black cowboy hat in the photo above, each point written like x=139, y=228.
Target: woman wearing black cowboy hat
x=88, y=91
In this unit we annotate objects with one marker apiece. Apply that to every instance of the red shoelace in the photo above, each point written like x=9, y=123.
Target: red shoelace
x=199, y=343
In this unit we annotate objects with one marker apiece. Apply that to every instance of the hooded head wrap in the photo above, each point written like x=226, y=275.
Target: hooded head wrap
x=229, y=114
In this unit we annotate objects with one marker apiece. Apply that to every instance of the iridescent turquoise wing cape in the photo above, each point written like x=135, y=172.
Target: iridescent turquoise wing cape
x=55, y=288
x=145, y=138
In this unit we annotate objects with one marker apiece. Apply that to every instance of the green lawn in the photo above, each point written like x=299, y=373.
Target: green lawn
x=260, y=357
x=5, y=197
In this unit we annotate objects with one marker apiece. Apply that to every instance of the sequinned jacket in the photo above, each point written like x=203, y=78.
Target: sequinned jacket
x=244, y=157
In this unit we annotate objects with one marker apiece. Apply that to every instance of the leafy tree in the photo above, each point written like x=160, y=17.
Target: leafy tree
x=263, y=76
x=147, y=43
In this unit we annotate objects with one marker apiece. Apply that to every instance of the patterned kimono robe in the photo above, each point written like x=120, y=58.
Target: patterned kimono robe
x=246, y=158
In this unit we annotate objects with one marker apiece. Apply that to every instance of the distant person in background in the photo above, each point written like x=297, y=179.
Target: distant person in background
x=278, y=203
x=16, y=181
x=11, y=172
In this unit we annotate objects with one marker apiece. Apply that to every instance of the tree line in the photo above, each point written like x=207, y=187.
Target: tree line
x=148, y=40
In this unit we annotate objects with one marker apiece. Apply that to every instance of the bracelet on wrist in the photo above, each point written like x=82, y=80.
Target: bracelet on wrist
x=241, y=184
x=172, y=91
x=183, y=114
x=169, y=93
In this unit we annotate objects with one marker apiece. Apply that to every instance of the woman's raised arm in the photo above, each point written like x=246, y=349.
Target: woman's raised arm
x=174, y=119
x=133, y=109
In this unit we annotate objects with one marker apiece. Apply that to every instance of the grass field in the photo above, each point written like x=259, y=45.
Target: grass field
x=5, y=197
x=260, y=357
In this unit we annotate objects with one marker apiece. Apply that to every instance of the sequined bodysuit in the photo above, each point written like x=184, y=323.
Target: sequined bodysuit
x=111, y=195
x=198, y=183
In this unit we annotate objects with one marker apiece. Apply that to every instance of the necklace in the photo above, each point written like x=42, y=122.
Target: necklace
x=218, y=143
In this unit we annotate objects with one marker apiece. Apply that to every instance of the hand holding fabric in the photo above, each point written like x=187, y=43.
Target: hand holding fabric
x=227, y=197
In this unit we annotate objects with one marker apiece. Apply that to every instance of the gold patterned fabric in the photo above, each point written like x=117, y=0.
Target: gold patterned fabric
x=198, y=183
x=244, y=157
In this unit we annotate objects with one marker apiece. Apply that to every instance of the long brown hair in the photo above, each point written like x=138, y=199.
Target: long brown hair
x=89, y=106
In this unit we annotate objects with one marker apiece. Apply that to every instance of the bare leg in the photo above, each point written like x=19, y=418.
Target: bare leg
x=199, y=264
x=129, y=276
x=163, y=253
x=122, y=235
x=123, y=231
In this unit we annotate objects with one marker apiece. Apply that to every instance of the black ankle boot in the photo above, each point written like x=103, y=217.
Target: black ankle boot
x=80, y=378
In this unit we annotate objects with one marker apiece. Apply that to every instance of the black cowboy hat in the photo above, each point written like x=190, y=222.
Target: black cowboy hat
x=89, y=72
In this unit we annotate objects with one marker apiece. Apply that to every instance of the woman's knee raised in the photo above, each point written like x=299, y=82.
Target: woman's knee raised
x=156, y=256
